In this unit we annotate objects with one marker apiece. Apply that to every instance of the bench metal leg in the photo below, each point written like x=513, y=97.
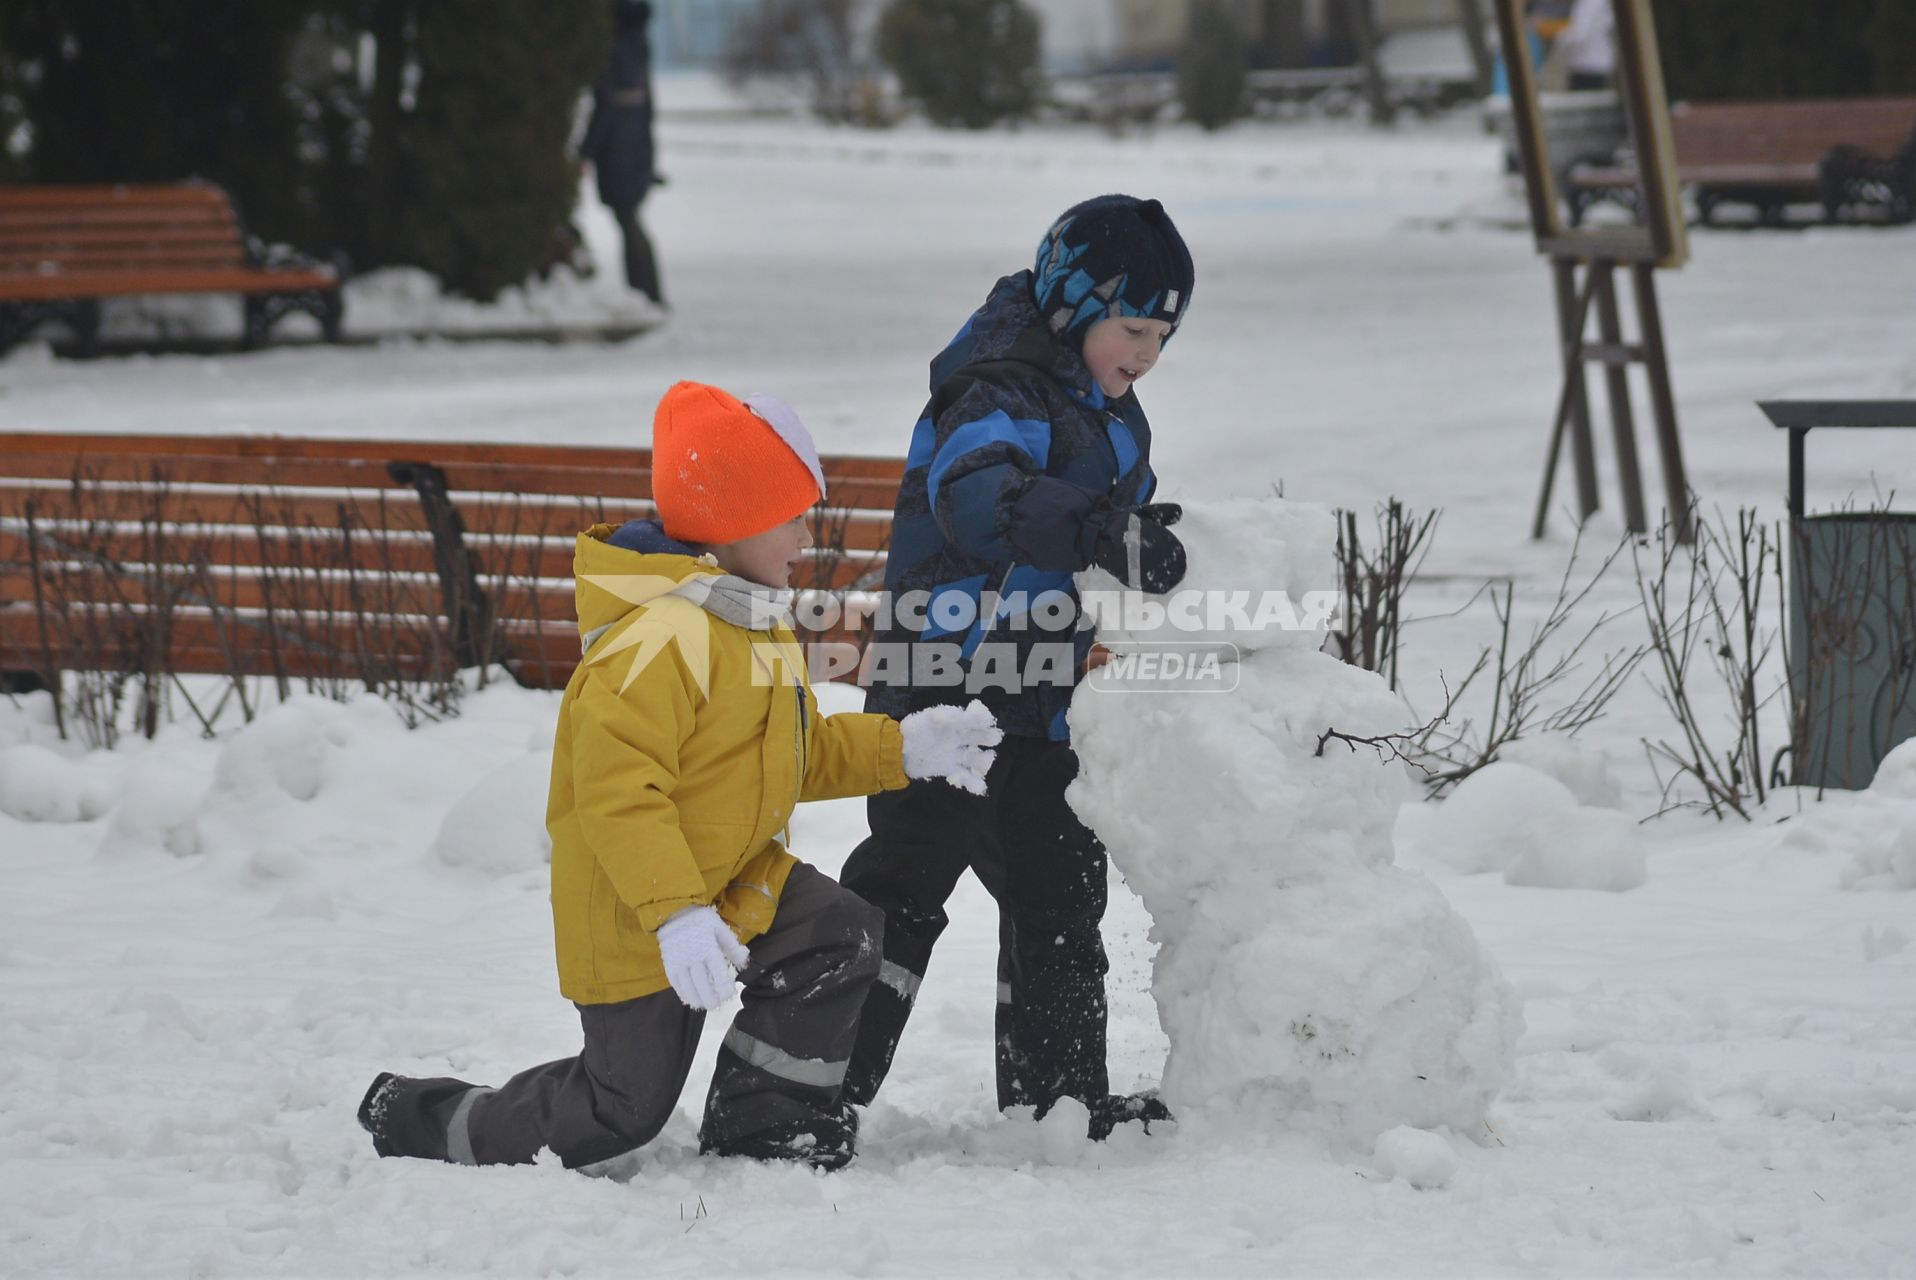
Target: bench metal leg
x=86, y=328
x=264, y=310
x=332, y=314
x=81, y=316
x=256, y=324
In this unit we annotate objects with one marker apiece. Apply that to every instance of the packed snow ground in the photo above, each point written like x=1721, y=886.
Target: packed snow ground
x=208, y=947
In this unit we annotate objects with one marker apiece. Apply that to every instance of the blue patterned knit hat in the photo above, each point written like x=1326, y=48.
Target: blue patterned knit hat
x=1111, y=256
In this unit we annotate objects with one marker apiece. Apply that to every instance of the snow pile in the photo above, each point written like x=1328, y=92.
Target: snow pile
x=1526, y=824
x=259, y=800
x=1424, y=1160
x=1301, y=978
x=499, y=826
x=1585, y=770
x=158, y=809
x=1878, y=826
x=407, y=300
x=41, y=785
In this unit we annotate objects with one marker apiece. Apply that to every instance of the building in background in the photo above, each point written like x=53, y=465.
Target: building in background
x=691, y=34
x=1284, y=33
x=1083, y=36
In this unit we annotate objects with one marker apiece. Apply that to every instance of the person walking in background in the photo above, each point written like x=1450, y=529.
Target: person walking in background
x=1590, y=45
x=618, y=140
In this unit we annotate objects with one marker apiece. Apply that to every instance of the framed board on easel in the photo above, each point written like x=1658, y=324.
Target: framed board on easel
x=1584, y=262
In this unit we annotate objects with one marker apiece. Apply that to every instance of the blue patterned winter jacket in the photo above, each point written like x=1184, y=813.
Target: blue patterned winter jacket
x=1014, y=450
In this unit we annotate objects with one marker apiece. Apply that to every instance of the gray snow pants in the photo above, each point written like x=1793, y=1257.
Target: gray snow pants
x=780, y=1070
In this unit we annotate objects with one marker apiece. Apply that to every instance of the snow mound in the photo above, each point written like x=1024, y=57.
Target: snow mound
x=1514, y=819
x=1885, y=858
x=285, y=751
x=1584, y=770
x=1889, y=860
x=1896, y=775
x=1425, y=1160
x=1302, y=979
x=41, y=785
x=158, y=809
x=405, y=300
x=498, y=827
x=1875, y=828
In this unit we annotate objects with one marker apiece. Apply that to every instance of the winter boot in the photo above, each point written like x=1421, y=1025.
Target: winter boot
x=372, y=1109
x=826, y=1142
x=1119, y=1108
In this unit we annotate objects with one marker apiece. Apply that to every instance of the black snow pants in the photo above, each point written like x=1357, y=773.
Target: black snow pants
x=1046, y=870
x=779, y=1075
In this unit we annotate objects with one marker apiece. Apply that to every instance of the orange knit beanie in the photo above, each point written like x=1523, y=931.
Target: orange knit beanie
x=725, y=469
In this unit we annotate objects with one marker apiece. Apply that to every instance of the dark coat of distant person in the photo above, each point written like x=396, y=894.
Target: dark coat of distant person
x=618, y=140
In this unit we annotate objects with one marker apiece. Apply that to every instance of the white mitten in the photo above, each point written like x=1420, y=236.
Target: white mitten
x=953, y=743
x=701, y=954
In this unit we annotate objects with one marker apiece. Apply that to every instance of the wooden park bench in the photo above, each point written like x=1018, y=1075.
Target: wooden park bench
x=1850, y=155
x=65, y=248
x=368, y=561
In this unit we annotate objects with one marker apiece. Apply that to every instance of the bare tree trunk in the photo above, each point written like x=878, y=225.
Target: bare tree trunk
x=1364, y=31
x=1282, y=41
x=1471, y=13
x=383, y=161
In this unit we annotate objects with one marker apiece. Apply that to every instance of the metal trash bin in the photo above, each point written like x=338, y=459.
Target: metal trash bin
x=1852, y=624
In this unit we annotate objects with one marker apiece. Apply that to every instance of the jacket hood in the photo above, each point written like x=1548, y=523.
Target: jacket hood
x=1008, y=327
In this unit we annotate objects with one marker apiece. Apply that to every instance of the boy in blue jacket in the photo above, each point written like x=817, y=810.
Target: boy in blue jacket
x=1030, y=463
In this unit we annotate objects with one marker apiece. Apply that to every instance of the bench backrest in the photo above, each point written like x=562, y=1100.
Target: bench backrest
x=112, y=229
x=1798, y=133
x=296, y=557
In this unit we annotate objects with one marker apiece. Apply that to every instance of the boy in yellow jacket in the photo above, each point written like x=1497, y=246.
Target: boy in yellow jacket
x=685, y=738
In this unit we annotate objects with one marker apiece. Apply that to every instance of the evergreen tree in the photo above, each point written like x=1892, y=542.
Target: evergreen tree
x=447, y=150
x=969, y=63
x=159, y=91
x=1213, y=64
x=489, y=184
x=1892, y=38
x=1722, y=49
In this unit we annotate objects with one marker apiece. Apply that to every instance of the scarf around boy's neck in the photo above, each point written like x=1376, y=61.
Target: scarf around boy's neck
x=739, y=601
x=750, y=605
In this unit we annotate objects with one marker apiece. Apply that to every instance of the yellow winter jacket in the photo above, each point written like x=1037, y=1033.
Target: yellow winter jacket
x=683, y=744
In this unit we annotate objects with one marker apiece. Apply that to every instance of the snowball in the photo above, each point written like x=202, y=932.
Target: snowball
x=1301, y=978
x=1511, y=818
x=500, y=825
x=158, y=809
x=1584, y=770
x=39, y=785
x=1424, y=1160
x=284, y=750
x=1064, y=1131
x=1656, y=1089
x=1880, y=944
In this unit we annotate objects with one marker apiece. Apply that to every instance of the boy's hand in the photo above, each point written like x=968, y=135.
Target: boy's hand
x=957, y=744
x=701, y=955
x=1136, y=546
